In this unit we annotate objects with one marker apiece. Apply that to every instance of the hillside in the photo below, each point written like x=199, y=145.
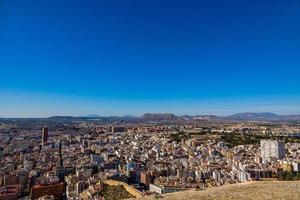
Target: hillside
x=264, y=190
x=160, y=117
x=255, y=116
x=247, y=116
x=114, y=192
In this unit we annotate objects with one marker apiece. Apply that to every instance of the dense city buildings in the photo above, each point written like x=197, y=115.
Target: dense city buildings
x=88, y=159
x=10, y=192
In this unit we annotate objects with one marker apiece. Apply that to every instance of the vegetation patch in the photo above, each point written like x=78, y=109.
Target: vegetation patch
x=115, y=192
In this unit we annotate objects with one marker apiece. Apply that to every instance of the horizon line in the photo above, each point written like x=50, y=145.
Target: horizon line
x=130, y=115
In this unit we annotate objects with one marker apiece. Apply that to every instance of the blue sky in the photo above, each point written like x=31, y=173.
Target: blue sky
x=71, y=57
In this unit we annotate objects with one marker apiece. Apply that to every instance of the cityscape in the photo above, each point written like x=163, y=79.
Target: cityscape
x=155, y=154
x=149, y=100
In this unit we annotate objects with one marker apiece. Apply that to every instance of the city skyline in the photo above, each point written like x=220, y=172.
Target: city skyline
x=149, y=99
x=119, y=58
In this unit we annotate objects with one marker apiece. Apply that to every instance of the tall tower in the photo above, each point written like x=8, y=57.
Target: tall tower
x=44, y=135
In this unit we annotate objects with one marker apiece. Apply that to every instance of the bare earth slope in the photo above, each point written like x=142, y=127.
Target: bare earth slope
x=264, y=190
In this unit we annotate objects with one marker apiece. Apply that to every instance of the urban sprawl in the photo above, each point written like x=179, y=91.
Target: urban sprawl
x=90, y=159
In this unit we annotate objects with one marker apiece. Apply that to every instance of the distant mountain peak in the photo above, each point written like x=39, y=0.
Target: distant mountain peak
x=158, y=114
x=160, y=117
x=255, y=116
x=90, y=116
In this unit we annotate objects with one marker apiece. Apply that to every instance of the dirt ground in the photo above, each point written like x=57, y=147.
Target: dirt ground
x=264, y=190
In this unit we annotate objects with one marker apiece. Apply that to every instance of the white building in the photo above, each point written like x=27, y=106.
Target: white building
x=296, y=166
x=164, y=189
x=217, y=175
x=243, y=176
x=272, y=149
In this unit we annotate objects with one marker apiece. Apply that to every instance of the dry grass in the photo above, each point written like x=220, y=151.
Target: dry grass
x=264, y=190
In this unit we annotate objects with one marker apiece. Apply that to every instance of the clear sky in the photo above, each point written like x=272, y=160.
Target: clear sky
x=77, y=57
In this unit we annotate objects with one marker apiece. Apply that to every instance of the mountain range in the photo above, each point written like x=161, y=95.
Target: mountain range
x=169, y=117
x=248, y=116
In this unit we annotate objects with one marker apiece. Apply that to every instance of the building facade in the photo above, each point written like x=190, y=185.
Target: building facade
x=272, y=149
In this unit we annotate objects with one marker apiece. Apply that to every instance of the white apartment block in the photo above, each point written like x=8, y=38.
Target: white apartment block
x=272, y=149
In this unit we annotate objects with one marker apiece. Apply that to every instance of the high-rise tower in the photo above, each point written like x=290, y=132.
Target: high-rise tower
x=44, y=135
